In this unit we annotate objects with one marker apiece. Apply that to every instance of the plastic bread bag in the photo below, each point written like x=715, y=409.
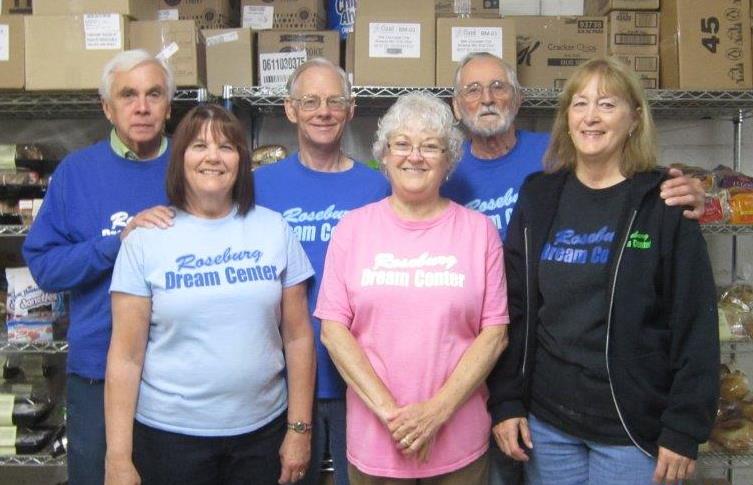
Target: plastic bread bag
x=30, y=312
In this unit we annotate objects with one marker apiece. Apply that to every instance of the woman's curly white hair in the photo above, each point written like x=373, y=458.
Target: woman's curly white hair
x=422, y=112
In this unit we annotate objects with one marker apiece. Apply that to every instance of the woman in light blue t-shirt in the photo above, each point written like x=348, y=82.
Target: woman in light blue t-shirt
x=210, y=373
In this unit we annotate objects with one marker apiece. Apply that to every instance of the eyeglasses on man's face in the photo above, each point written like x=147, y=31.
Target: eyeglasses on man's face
x=403, y=148
x=498, y=89
x=312, y=102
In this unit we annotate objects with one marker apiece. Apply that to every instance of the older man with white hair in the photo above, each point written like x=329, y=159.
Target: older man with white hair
x=94, y=199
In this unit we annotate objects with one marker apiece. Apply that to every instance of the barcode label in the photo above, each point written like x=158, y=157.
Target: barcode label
x=635, y=39
x=646, y=20
x=274, y=79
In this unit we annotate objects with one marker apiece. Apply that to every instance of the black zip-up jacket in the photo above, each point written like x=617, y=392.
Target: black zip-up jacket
x=662, y=348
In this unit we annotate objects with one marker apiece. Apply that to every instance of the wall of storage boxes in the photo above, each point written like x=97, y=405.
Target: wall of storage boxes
x=684, y=44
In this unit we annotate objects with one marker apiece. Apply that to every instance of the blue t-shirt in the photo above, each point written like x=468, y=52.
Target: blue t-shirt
x=214, y=363
x=313, y=203
x=492, y=186
x=75, y=238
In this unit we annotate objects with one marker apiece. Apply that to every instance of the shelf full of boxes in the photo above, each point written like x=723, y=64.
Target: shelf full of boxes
x=51, y=59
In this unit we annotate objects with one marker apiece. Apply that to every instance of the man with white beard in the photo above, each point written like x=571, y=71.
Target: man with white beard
x=498, y=157
x=496, y=160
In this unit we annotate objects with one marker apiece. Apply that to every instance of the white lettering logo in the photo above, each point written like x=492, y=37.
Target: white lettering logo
x=118, y=222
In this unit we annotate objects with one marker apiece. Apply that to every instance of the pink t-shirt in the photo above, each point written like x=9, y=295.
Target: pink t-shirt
x=415, y=295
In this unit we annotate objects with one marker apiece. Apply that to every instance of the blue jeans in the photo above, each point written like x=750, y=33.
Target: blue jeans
x=329, y=428
x=563, y=459
x=85, y=416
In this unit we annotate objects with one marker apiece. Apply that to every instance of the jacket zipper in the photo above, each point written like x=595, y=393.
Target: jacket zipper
x=609, y=324
x=528, y=302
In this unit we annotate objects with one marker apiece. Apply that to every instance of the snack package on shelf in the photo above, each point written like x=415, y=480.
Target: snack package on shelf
x=735, y=308
x=267, y=154
x=31, y=313
x=733, y=428
x=729, y=194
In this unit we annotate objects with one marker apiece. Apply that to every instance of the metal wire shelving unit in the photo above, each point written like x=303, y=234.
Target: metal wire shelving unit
x=73, y=104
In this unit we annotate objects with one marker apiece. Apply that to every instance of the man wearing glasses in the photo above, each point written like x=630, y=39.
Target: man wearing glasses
x=496, y=160
x=313, y=189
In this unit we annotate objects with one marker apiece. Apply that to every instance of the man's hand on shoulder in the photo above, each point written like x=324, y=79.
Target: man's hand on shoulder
x=158, y=216
x=684, y=191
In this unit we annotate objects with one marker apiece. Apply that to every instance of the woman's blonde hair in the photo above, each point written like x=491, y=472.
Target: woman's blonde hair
x=616, y=79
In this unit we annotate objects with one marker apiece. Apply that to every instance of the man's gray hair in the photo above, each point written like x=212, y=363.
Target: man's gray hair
x=128, y=60
x=420, y=112
x=319, y=62
x=512, y=77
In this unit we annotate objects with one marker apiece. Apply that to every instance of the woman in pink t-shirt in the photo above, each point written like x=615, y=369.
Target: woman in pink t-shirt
x=413, y=304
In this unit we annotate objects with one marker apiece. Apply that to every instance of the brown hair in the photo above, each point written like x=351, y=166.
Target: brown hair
x=617, y=79
x=221, y=122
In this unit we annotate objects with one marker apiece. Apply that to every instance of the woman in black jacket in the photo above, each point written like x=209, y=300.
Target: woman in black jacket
x=611, y=375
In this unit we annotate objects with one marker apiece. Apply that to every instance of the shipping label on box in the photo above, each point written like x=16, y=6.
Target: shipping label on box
x=275, y=68
x=520, y=7
x=102, y=31
x=603, y=7
x=478, y=7
x=705, y=44
x=168, y=14
x=633, y=32
x=4, y=42
x=458, y=37
x=293, y=14
x=258, y=17
x=646, y=67
x=550, y=48
x=322, y=43
x=395, y=40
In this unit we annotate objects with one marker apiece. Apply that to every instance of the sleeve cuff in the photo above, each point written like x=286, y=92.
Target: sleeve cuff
x=110, y=245
x=679, y=443
x=506, y=410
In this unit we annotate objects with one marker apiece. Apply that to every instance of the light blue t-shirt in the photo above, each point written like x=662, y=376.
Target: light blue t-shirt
x=313, y=203
x=492, y=186
x=214, y=363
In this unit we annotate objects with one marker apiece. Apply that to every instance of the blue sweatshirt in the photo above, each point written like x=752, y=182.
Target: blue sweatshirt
x=313, y=203
x=74, y=240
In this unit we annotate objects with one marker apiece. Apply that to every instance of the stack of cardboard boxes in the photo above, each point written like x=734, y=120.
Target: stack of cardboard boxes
x=703, y=44
x=633, y=34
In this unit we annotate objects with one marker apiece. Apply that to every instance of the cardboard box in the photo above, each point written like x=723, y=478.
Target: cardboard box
x=225, y=44
x=11, y=51
x=285, y=14
x=457, y=37
x=181, y=44
x=633, y=32
x=561, y=7
x=646, y=67
x=478, y=7
x=137, y=9
x=394, y=43
x=550, y=48
x=69, y=52
x=603, y=7
x=208, y=14
x=705, y=44
x=15, y=7
x=281, y=51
